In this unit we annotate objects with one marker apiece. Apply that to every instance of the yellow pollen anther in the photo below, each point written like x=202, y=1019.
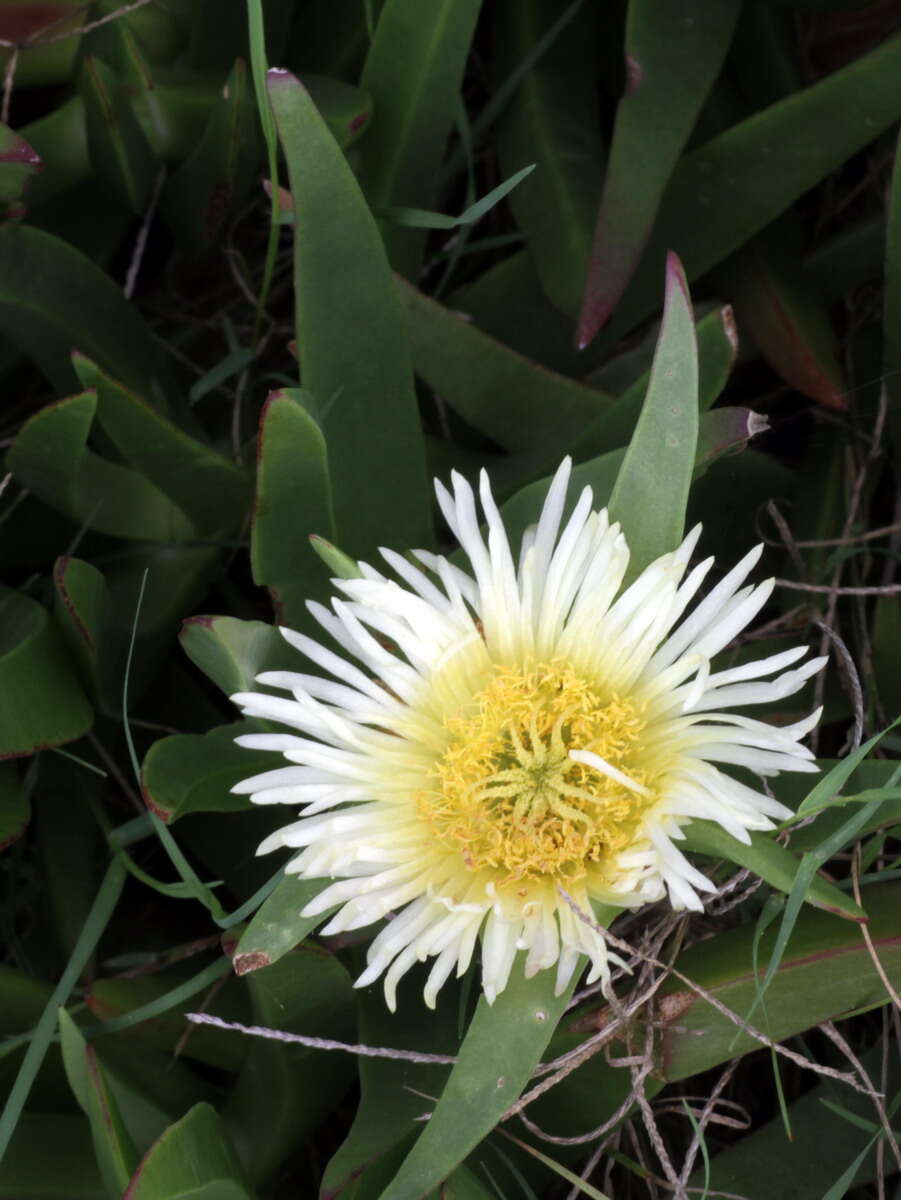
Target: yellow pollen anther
x=541, y=775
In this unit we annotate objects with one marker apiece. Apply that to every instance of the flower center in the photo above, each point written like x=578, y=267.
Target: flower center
x=508, y=794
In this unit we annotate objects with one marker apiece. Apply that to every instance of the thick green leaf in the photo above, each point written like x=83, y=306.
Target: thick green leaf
x=516, y=402
x=41, y=702
x=552, y=120
x=717, y=347
x=273, y=1108
x=14, y=806
x=825, y=971
x=673, y=56
x=205, y=485
x=214, y=180
x=119, y=152
x=192, y=772
x=277, y=926
x=785, y=316
x=193, y=1160
x=414, y=108
x=502, y=1046
x=29, y=1172
x=718, y=431
x=50, y=457
x=772, y=862
x=293, y=501
x=232, y=653
x=19, y=162
x=152, y=1089
x=113, y=1148
x=651, y=490
x=351, y=339
x=744, y=178
x=54, y=299
x=81, y=606
x=507, y=301
x=392, y=1091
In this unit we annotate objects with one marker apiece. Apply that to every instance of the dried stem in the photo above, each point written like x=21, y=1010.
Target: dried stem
x=314, y=1043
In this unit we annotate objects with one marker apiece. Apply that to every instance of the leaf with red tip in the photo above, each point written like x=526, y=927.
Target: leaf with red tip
x=114, y=1149
x=673, y=55
x=41, y=702
x=18, y=163
x=277, y=925
x=81, y=607
x=232, y=653
x=53, y=297
x=50, y=457
x=786, y=318
x=193, y=772
x=193, y=1160
x=727, y=190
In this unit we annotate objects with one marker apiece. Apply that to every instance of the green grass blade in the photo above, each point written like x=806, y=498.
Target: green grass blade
x=97, y=920
x=413, y=71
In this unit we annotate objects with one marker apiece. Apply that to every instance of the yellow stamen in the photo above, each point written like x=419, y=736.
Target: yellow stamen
x=510, y=796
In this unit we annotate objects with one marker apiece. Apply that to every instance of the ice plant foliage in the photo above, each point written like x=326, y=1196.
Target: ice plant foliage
x=515, y=733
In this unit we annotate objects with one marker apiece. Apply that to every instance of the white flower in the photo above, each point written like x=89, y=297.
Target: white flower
x=514, y=732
